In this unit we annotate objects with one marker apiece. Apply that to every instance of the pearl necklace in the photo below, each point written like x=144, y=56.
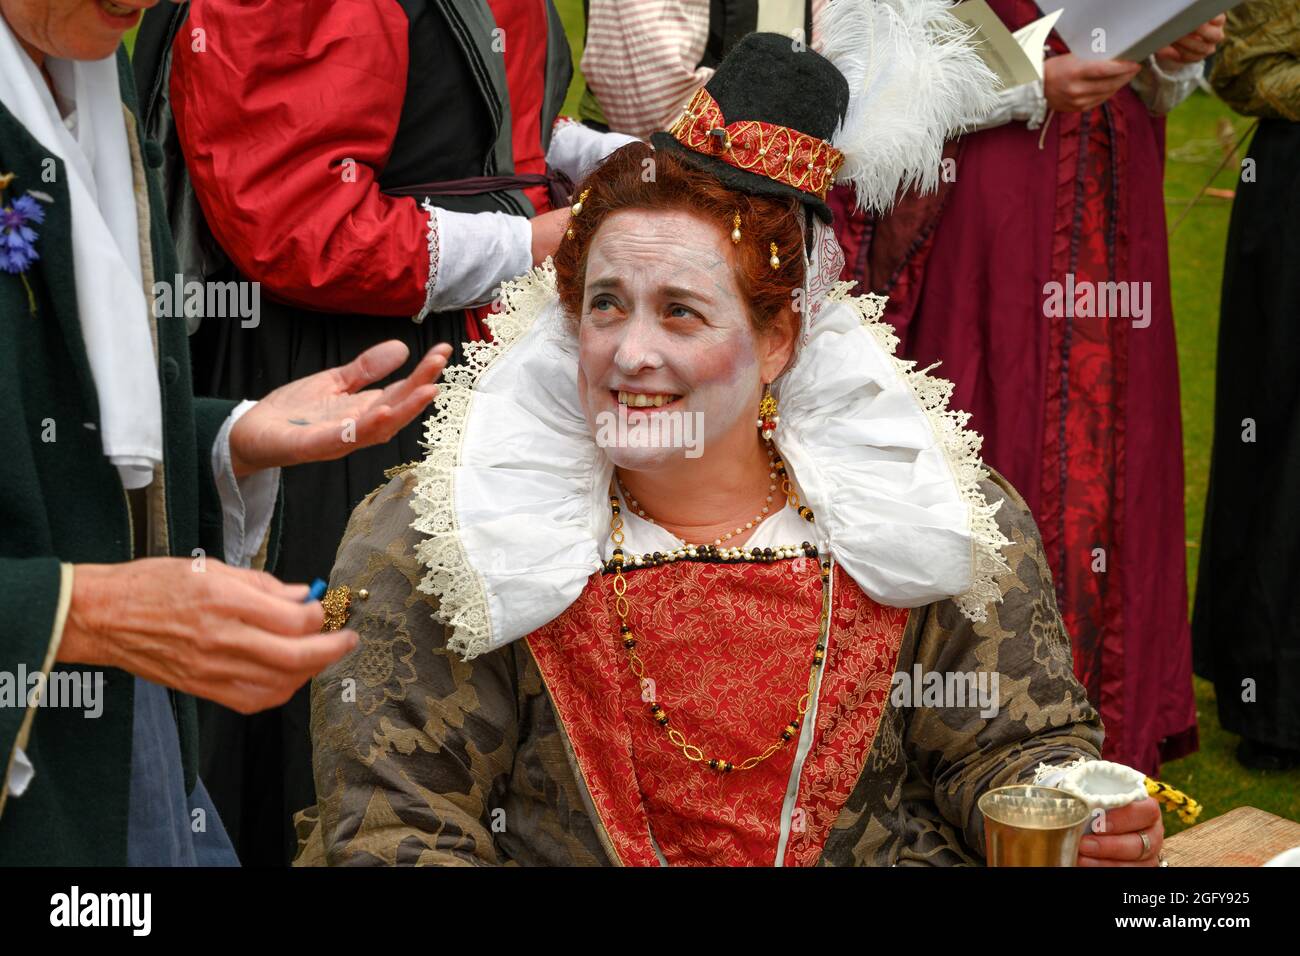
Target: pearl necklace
x=749, y=525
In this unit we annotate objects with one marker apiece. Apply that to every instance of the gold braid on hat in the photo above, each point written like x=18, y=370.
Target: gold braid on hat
x=778, y=153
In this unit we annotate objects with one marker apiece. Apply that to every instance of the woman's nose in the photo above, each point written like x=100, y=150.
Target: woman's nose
x=639, y=347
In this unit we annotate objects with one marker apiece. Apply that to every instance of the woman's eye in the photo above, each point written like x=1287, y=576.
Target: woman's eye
x=601, y=303
x=681, y=312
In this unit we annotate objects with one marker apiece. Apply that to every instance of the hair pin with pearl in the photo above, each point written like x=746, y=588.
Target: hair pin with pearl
x=576, y=209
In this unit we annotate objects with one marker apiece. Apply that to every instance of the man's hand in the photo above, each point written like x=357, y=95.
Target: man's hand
x=1073, y=85
x=1194, y=47
x=326, y=416
x=548, y=233
x=238, y=637
x=1120, y=844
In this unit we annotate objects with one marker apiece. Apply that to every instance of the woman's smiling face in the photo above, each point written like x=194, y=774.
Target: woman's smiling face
x=665, y=330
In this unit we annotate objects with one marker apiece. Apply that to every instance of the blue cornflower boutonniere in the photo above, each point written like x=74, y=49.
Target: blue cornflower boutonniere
x=17, y=235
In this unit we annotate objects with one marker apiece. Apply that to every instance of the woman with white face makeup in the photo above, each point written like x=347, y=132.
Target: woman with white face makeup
x=684, y=521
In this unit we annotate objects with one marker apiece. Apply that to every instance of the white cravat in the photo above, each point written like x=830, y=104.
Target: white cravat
x=111, y=302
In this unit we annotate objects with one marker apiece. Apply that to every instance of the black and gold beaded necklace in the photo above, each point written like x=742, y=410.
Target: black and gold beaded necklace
x=713, y=553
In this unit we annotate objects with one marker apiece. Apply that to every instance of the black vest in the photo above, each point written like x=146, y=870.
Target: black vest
x=455, y=121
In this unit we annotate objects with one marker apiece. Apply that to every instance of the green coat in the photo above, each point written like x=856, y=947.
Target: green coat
x=63, y=502
x=1257, y=70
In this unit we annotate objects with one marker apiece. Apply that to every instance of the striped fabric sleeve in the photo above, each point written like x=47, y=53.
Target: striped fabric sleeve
x=641, y=58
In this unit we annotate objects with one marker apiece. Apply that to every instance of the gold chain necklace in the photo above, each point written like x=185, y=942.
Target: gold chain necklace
x=711, y=553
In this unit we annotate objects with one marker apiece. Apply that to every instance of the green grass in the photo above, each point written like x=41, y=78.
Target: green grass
x=1211, y=775
x=571, y=15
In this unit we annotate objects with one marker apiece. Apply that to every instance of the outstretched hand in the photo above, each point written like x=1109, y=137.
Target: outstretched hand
x=328, y=415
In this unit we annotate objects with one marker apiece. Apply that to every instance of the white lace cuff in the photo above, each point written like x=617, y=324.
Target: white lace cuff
x=1162, y=90
x=1102, y=784
x=1051, y=775
x=1025, y=104
x=471, y=254
x=247, y=503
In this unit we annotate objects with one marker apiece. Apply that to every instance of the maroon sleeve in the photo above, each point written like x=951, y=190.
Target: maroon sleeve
x=286, y=111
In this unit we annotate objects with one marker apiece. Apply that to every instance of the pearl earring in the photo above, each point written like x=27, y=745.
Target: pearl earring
x=768, y=419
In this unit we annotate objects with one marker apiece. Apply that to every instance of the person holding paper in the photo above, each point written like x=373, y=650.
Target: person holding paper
x=1039, y=274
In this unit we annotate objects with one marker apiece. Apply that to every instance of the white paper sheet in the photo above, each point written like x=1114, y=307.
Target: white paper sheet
x=1131, y=29
x=1016, y=58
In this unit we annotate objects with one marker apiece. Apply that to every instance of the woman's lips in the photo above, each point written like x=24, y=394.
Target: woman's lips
x=118, y=15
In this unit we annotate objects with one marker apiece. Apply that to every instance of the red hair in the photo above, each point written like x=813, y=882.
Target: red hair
x=622, y=182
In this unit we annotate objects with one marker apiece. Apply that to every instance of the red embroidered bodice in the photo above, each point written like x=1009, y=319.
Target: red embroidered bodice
x=728, y=647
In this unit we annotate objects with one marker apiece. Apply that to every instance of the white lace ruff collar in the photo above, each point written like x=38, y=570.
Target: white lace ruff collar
x=512, y=497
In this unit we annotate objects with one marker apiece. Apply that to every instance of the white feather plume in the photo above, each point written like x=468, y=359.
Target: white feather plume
x=914, y=80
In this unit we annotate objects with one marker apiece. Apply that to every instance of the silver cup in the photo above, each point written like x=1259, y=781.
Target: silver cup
x=1032, y=826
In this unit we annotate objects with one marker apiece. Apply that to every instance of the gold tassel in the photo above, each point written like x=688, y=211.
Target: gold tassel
x=1173, y=799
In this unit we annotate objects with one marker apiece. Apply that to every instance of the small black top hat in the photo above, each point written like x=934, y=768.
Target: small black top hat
x=769, y=78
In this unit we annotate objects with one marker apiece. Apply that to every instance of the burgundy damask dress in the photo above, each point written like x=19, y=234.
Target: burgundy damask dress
x=1081, y=414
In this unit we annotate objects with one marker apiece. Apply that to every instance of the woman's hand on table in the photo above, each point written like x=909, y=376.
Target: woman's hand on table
x=331, y=414
x=238, y=637
x=1120, y=842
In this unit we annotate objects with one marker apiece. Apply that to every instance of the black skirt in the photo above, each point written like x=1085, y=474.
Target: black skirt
x=1246, y=625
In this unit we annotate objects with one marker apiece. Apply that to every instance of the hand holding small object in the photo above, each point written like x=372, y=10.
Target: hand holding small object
x=235, y=636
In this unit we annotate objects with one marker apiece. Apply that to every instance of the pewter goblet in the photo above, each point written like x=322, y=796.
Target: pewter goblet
x=1026, y=825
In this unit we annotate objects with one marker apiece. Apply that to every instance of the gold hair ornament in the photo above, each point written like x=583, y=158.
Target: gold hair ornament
x=576, y=209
